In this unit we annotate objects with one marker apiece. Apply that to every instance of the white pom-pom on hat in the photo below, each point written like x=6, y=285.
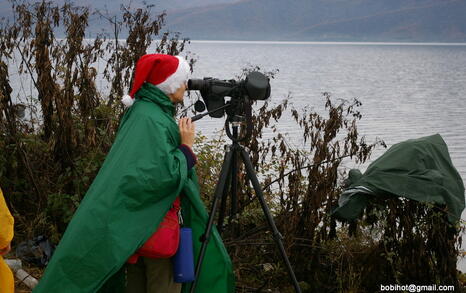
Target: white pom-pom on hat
x=127, y=101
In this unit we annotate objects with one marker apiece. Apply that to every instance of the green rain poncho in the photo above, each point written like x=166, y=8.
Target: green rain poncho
x=141, y=177
x=417, y=169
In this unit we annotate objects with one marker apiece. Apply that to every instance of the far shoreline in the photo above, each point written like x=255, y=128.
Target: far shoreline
x=326, y=43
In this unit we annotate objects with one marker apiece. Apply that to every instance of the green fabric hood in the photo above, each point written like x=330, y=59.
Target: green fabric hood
x=417, y=169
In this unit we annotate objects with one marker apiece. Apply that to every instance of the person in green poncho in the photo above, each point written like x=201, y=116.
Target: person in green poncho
x=148, y=172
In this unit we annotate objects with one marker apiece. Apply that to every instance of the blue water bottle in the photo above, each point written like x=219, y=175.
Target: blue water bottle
x=183, y=261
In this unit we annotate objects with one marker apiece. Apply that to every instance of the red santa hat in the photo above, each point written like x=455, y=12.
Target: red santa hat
x=166, y=72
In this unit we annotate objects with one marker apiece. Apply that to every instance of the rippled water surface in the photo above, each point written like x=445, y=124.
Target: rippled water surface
x=407, y=91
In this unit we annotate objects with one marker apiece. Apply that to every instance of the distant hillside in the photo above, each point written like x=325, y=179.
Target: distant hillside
x=325, y=20
x=312, y=20
x=113, y=6
x=159, y=5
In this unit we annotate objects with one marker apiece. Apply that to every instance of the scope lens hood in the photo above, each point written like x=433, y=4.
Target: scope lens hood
x=257, y=86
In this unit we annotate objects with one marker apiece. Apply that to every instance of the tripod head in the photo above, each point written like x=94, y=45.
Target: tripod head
x=239, y=112
x=239, y=117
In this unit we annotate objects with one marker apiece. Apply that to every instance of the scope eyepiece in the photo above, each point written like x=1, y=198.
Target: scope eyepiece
x=198, y=84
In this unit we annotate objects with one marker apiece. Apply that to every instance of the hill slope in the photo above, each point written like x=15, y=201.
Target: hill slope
x=312, y=20
x=332, y=20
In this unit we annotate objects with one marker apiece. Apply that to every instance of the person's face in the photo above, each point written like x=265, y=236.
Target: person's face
x=177, y=97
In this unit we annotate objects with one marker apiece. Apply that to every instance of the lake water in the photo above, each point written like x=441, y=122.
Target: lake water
x=407, y=90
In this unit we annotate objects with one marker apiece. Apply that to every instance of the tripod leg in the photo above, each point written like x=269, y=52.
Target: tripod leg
x=234, y=179
x=234, y=188
x=223, y=204
x=224, y=173
x=276, y=234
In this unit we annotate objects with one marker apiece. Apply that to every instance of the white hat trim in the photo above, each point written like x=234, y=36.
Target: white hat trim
x=174, y=81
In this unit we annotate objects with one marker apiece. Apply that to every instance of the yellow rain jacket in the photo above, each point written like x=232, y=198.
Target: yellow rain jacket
x=7, y=284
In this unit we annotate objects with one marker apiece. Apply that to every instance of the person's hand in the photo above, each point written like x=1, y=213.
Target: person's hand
x=5, y=250
x=187, y=131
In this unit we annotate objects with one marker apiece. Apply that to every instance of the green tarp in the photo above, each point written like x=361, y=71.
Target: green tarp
x=417, y=169
x=141, y=177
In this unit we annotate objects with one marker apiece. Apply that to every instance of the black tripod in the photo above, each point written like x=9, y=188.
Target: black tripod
x=228, y=174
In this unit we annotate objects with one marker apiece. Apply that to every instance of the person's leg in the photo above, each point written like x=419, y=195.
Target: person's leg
x=116, y=283
x=136, y=277
x=159, y=275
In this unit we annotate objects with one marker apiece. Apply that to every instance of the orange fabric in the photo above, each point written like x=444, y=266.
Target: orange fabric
x=7, y=282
